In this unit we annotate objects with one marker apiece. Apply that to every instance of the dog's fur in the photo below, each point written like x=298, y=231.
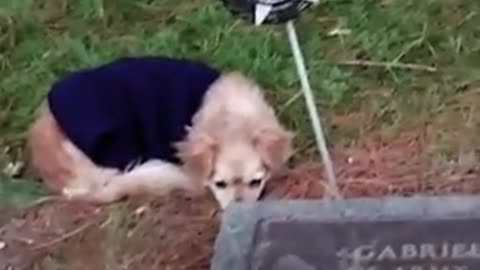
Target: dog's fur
x=234, y=146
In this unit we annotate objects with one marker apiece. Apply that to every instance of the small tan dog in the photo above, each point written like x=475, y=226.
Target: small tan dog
x=235, y=144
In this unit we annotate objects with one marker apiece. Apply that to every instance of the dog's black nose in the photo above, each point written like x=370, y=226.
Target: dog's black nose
x=238, y=198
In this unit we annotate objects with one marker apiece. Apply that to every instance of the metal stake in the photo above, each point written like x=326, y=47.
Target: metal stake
x=312, y=110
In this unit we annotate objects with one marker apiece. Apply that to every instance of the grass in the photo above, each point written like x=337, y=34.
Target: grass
x=42, y=39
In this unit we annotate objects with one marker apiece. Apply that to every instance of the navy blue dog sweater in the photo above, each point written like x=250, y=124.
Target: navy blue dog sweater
x=130, y=109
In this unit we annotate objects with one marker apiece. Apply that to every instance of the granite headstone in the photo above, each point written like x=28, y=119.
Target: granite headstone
x=418, y=233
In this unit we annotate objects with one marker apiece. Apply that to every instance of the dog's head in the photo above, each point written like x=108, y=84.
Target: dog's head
x=235, y=144
x=236, y=169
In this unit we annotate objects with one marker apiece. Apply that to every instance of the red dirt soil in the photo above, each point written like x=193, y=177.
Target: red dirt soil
x=177, y=232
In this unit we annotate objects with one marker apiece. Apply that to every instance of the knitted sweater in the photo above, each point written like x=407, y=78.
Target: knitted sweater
x=130, y=109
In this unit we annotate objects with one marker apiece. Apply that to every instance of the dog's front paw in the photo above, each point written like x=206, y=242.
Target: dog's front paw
x=100, y=195
x=75, y=193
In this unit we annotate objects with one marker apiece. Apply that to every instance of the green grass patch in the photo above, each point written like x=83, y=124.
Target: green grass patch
x=18, y=191
x=42, y=39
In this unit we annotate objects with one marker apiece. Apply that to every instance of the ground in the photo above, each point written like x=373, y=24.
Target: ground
x=397, y=85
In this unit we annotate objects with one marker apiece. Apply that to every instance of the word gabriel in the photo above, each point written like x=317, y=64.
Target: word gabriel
x=401, y=254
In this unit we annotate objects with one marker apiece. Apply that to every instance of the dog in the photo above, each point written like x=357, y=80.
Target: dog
x=151, y=124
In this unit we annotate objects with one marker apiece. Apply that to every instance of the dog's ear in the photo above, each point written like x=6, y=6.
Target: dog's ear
x=274, y=145
x=197, y=153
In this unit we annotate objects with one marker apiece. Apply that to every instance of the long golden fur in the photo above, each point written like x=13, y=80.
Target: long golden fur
x=234, y=146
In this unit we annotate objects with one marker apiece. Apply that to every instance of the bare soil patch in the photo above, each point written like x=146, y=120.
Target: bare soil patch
x=177, y=232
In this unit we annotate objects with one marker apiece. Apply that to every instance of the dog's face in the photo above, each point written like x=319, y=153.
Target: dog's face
x=236, y=170
x=239, y=174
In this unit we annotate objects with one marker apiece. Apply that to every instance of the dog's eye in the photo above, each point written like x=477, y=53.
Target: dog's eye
x=221, y=184
x=255, y=183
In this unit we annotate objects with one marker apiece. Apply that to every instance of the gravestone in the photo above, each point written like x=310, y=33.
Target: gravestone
x=418, y=233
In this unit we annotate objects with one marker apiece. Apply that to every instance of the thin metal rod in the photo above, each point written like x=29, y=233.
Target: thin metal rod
x=312, y=110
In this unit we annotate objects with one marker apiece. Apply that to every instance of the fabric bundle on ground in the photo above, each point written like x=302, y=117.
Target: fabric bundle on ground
x=131, y=108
